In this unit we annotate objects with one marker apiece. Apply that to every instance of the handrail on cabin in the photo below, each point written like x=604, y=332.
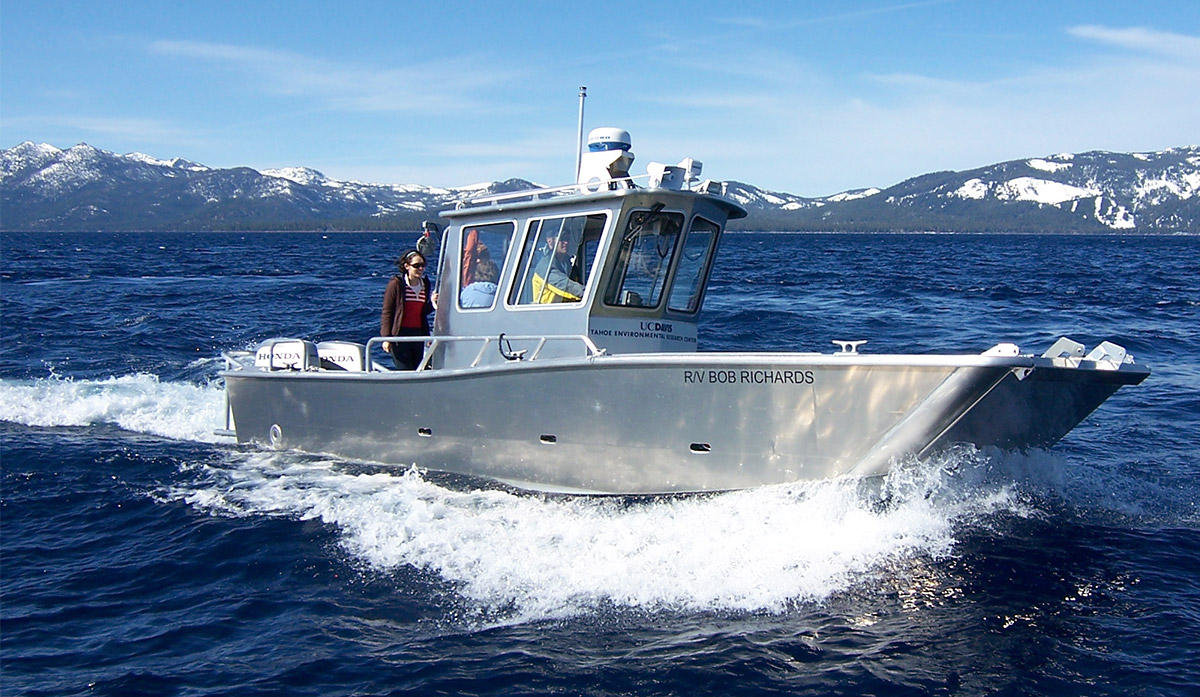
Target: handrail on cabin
x=535, y=194
x=485, y=343
x=699, y=186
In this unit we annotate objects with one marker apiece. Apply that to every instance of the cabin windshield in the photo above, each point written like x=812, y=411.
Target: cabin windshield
x=557, y=259
x=644, y=258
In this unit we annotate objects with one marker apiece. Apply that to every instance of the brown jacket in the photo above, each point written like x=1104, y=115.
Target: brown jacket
x=393, y=307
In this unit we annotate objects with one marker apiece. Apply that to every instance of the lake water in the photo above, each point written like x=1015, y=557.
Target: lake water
x=140, y=554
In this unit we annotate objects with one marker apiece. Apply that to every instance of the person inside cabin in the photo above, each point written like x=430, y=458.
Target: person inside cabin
x=552, y=281
x=481, y=292
x=407, y=304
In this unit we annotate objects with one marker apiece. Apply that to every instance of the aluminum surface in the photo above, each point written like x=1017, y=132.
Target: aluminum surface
x=668, y=423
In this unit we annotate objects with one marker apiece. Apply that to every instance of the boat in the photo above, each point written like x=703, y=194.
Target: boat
x=598, y=387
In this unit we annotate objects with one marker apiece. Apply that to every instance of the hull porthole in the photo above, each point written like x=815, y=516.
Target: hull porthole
x=276, y=436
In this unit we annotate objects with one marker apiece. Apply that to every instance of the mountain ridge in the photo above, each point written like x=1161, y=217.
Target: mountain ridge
x=83, y=188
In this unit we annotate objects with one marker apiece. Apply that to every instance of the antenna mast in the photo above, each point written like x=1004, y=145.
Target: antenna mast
x=579, y=142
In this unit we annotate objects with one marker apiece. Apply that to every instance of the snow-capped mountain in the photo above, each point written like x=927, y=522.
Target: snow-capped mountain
x=85, y=189
x=1087, y=192
x=754, y=198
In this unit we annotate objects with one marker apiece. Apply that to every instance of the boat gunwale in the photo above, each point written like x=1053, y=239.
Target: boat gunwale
x=1124, y=373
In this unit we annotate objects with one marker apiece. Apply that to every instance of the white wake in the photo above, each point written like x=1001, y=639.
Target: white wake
x=531, y=557
x=541, y=558
x=139, y=403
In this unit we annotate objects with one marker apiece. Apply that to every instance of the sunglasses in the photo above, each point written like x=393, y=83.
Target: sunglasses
x=420, y=265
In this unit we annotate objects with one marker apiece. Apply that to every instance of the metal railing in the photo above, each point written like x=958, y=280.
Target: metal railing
x=234, y=360
x=241, y=360
x=551, y=191
x=485, y=342
x=700, y=186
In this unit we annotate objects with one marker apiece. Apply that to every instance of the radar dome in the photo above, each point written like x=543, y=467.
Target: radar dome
x=601, y=139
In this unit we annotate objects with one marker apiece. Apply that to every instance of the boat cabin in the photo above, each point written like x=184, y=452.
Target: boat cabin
x=622, y=264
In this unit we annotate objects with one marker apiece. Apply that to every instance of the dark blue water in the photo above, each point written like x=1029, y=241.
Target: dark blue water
x=140, y=554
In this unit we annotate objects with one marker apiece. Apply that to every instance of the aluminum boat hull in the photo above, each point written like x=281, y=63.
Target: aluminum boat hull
x=669, y=423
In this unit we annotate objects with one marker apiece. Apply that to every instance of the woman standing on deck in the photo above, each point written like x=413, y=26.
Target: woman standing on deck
x=407, y=304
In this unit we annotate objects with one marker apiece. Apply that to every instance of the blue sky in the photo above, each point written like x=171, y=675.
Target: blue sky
x=807, y=97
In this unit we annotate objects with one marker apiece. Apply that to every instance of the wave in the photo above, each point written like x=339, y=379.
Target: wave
x=529, y=558
x=140, y=403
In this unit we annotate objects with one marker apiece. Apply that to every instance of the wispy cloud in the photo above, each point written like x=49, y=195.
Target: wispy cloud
x=142, y=129
x=424, y=87
x=907, y=123
x=757, y=22
x=106, y=129
x=1142, y=40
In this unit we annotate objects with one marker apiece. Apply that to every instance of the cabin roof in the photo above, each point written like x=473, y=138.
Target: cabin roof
x=575, y=194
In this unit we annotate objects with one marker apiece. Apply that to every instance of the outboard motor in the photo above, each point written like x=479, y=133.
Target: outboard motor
x=342, y=355
x=287, y=354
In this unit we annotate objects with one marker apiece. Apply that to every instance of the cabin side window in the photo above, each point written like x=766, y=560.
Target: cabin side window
x=484, y=251
x=644, y=258
x=693, y=266
x=556, y=261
